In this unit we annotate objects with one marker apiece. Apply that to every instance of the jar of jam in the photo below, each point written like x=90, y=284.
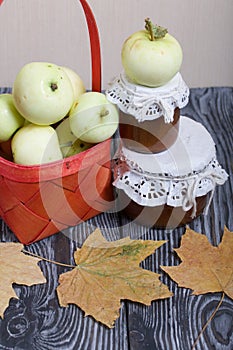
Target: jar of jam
x=149, y=117
x=149, y=136
x=171, y=188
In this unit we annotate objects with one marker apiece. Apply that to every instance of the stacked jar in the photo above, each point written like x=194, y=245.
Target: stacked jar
x=165, y=169
x=149, y=117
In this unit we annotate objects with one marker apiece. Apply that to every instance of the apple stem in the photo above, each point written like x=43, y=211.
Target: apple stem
x=104, y=113
x=156, y=32
x=54, y=86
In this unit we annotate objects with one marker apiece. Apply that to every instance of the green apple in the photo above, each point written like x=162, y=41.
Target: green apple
x=76, y=81
x=42, y=93
x=69, y=143
x=77, y=147
x=35, y=144
x=93, y=119
x=10, y=118
x=151, y=57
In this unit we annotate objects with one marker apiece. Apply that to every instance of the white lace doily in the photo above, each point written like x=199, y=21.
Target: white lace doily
x=145, y=103
x=158, y=189
x=187, y=170
x=193, y=149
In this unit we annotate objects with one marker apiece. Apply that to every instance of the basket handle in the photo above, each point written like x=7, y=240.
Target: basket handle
x=94, y=44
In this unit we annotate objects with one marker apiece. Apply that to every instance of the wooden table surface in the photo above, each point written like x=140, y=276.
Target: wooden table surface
x=36, y=321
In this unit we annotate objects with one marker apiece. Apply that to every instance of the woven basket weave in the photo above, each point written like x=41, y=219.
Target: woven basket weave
x=38, y=201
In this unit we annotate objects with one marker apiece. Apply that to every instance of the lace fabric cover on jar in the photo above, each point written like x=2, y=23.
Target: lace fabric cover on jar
x=145, y=103
x=175, y=177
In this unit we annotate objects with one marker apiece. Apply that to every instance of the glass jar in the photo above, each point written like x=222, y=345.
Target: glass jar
x=161, y=216
x=151, y=136
x=149, y=117
x=170, y=188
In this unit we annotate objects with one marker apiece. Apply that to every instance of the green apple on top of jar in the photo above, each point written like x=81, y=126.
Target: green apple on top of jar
x=151, y=57
x=151, y=60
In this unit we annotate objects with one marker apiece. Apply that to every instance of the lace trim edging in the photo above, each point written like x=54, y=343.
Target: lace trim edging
x=148, y=104
x=176, y=192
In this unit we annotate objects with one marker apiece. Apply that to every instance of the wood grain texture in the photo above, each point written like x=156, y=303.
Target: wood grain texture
x=36, y=321
x=176, y=323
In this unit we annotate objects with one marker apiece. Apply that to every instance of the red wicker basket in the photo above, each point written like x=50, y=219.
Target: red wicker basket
x=38, y=201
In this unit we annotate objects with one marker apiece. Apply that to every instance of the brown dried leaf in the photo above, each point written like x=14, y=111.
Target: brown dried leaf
x=16, y=267
x=108, y=272
x=204, y=268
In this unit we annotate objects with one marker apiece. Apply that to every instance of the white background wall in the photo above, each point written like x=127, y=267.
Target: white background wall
x=55, y=31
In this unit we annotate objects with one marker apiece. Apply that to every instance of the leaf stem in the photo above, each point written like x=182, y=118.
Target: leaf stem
x=48, y=260
x=208, y=321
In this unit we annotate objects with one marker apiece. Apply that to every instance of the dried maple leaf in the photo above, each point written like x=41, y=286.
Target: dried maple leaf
x=204, y=268
x=16, y=267
x=108, y=272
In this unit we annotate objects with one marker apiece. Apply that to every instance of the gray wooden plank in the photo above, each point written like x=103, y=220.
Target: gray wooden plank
x=36, y=321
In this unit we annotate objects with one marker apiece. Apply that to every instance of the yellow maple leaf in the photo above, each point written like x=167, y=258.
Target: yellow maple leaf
x=16, y=267
x=108, y=272
x=204, y=268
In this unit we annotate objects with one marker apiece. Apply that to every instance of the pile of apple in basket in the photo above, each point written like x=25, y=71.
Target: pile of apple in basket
x=49, y=115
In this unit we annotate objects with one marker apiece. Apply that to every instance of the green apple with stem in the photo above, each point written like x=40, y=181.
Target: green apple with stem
x=76, y=81
x=10, y=118
x=151, y=57
x=68, y=142
x=42, y=93
x=35, y=144
x=93, y=118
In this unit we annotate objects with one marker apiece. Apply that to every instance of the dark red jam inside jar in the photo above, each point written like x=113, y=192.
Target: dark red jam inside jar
x=150, y=136
x=162, y=216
